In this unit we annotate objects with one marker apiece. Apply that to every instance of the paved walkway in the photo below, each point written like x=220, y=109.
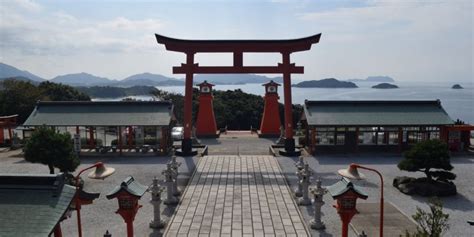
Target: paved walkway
x=237, y=196
x=368, y=220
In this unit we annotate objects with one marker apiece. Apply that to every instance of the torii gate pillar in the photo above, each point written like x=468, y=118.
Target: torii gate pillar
x=237, y=48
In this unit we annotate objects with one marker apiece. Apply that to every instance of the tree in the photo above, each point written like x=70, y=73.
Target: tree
x=431, y=224
x=427, y=155
x=19, y=97
x=52, y=149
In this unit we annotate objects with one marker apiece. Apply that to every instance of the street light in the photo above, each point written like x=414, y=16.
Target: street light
x=352, y=173
x=100, y=172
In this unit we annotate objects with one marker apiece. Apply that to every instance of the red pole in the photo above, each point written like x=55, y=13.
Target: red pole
x=77, y=130
x=345, y=228
x=78, y=212
x=381, y=197
x=188, y=104
x=10, y=135
x=91, y=136
x=120, y=140
x=57, y=230
x=287, y=95
x=129, y=136
x=130, y=228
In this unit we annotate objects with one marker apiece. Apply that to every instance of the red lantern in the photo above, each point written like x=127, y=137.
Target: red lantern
x=128, y=193
x=346, y=194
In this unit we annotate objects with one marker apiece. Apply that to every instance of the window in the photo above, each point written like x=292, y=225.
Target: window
x=393, y=138
x=414, y=137
x=325, y=138
x=381, y=138
x=367, y=138
x=340, y=138
x=434, y=135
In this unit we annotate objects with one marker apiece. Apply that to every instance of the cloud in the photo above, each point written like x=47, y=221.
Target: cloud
x=60, y=33
x=28, y=5
x=124, y=24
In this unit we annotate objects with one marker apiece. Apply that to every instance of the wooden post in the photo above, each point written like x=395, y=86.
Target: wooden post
x=120, y=140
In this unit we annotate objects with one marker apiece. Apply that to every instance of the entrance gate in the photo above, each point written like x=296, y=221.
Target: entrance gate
x=237, y=48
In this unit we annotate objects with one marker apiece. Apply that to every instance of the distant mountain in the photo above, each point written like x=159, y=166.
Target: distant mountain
x=374, y=79
x=20, y=78
x=235, y=79
x=114, y=92
x=457, y=86
x=7, y=71
x=81, y=79
x=326, y=83
x=149, y=79
x=385, y=86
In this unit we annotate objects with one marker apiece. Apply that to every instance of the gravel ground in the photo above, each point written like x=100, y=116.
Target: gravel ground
x=460, y=208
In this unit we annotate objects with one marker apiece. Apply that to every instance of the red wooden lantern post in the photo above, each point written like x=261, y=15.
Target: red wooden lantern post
x=128, y=193
x=270, y=125
x=206, y=121
x=346, y=193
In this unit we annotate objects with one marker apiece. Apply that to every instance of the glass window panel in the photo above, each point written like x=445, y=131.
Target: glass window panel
x=434, y=135
x=393, y=138
x=325, y=138
x=340, y=138
x=367, y=138
x=381, y=138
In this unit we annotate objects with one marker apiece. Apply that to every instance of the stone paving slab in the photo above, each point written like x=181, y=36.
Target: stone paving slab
x=368, y=220
x=237, y=196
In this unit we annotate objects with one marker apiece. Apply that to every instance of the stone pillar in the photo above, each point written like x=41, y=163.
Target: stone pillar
x=299, y=167
x=174, y=166
x=170, y=198
x=155, y=200
x=318, y=193
x=305, y=176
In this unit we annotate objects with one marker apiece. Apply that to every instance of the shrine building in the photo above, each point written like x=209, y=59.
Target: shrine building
x=352, y=126
x=124, y=124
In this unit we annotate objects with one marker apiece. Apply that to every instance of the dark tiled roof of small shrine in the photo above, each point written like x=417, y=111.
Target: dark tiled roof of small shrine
x=101, y=113
x=367, y=113
x=344, y=186
x=129, y=185
x=32, y=205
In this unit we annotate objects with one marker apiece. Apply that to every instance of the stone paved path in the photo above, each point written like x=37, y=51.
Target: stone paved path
x=237, y=196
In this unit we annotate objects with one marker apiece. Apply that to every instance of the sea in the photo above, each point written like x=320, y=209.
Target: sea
x=458, y=103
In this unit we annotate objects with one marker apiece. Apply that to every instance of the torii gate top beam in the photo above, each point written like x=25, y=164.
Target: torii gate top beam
x=250, y=46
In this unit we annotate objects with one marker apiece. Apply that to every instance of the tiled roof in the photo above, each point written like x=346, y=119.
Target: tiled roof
x=383, y=113
x=100, y=113
x=32, y=205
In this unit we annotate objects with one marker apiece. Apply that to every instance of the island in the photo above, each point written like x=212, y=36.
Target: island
x=326, y=83
x=457, y=86
x=385, y=79
x=385, y=86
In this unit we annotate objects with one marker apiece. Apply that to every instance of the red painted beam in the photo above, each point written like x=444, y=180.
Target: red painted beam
x=251, y=46
x=183, y=69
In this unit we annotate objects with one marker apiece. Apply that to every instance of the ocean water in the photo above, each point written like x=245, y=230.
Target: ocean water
x=458, y=103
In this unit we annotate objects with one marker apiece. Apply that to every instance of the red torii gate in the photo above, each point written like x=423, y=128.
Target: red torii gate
x=237, y=48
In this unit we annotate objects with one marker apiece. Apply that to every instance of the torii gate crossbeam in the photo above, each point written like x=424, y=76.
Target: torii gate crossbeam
x=238, y=48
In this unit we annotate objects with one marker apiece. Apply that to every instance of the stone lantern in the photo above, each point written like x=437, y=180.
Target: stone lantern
x=128, y=193
x=346, y=194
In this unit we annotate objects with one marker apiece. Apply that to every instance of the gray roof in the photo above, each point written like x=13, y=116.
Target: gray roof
x=32, y=205
x=101, y=113
x=130, y=186
x=382, y=113
x=343, y=186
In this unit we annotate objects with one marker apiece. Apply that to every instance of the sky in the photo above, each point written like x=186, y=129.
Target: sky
x=406, y=39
